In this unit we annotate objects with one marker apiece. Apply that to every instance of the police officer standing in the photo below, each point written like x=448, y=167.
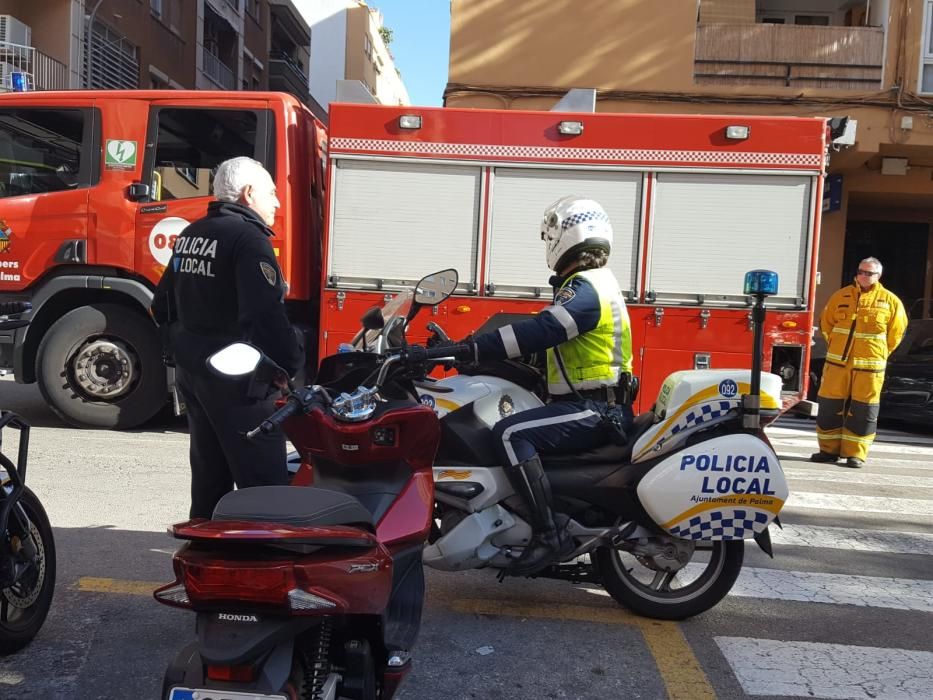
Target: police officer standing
x=588, y=338
x=222, y=285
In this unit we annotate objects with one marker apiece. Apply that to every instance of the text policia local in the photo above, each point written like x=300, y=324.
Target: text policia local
x=747, y=464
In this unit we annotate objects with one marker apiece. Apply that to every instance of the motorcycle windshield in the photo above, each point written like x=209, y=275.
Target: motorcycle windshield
x=398, y=307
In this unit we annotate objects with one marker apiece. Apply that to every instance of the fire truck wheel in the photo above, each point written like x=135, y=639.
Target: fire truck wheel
x=101, y=366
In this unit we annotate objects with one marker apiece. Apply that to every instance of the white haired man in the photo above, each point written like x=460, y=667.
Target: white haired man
x=221, y=285
x=862, y=323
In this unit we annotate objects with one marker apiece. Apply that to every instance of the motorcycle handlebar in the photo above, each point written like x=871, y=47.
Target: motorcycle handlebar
x=290, y=408
x=11, y=308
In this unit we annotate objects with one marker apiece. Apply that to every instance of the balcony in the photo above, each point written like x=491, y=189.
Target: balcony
x=217, y=71
x=777, y=55
x=286, y=76
x=44, y=72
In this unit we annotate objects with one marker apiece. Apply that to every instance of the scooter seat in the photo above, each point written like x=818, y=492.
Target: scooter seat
x=606, y=454
x=293, y=505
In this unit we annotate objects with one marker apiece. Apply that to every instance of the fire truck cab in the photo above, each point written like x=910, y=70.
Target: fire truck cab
x=94, y=188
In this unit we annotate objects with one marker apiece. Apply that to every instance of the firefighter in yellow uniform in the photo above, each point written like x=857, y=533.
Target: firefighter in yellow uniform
x=862, y=323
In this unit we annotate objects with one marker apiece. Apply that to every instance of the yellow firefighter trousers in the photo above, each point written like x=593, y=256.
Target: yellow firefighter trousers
x=848, y=413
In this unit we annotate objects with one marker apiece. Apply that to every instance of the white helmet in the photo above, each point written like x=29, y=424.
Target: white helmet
x=571, y=225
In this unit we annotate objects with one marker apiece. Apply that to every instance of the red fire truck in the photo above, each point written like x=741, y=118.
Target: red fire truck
x=94, y=187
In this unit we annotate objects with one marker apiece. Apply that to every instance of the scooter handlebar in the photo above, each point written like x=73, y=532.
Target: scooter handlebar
x=290, y=408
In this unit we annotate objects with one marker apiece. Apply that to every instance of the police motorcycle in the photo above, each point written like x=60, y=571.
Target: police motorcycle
x=27, y=548
x=316, y=592
x=660, y=522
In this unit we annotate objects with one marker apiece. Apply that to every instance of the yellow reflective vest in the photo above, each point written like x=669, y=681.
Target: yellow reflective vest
x=596, y=358
x=862, y=328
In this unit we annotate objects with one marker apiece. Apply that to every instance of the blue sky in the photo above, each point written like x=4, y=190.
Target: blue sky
x=420, y=45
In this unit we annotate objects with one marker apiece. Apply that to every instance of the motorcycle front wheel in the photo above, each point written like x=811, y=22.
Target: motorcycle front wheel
x=24, y=605
x=663, y=595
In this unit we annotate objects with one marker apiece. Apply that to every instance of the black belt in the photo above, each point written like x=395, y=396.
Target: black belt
x=606, y=394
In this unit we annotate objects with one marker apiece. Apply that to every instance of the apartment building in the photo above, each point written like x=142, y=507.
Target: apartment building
x=347, y=45
x=160, y=44
x=870, y=60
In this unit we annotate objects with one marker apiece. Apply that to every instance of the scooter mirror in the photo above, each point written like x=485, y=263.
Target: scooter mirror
x=435, y=288
x=235, y=360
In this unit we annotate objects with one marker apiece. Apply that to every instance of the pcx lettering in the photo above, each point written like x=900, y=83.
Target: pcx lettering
x=731, y=463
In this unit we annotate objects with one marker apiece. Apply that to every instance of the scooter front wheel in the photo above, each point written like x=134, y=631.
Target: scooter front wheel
x=25, y=605
x=671, y=595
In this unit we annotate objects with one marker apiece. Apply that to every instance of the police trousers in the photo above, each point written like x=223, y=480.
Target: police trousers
x=848, y=416
x=219, y=416
x=558, y=427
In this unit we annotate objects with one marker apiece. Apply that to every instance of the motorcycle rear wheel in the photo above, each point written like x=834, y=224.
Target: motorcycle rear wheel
x=663, y=596
x=24, y=607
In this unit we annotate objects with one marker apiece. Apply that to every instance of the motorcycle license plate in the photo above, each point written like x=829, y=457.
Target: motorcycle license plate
x=205, y=694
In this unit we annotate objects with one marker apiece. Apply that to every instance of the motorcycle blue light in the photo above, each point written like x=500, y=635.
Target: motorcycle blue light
x=762, y=282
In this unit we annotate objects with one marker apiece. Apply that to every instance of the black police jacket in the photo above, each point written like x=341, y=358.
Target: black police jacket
x=224, y=284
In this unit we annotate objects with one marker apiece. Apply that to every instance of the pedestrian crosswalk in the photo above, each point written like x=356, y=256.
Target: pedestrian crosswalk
x=887, y=557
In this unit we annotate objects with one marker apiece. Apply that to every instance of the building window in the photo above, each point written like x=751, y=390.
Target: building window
x=926, y=55
x=111, y=62
x=156, y=7
x=252, y=8
x=367, y=47
x=42, y=150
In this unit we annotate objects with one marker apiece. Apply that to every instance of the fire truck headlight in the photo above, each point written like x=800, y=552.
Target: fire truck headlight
x=409, y=121
x=737, y=133
x=763, y=282
x=570, y=128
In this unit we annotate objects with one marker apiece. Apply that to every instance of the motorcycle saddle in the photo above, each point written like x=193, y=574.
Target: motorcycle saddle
x=607, y=454
x=292, y=505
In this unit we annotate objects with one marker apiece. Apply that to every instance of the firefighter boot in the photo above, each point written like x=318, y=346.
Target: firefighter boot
x=548, y=542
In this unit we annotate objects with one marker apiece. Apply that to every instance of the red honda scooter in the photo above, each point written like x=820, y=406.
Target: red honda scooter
x=316, y=592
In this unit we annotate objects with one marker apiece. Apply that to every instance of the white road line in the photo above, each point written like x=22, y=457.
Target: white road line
x=836, y=671
x=804, y=500
x=873, y=461
x=836, y=589
x=858, y=476
x=888, y=541
x=875, y=448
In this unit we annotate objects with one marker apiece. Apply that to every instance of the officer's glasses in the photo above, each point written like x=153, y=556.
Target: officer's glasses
x=868, y=273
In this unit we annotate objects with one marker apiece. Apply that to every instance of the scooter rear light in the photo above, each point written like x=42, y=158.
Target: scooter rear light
x=251, y=583
x=232, y=674
x=173, y=594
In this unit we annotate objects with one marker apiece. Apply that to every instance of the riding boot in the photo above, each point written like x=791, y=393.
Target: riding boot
x=548, y=542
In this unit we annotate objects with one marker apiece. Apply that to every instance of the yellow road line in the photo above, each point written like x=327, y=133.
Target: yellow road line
x=88, y=584
x=679, y=669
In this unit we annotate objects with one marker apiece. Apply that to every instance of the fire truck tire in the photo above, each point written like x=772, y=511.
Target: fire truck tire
x=101, y=366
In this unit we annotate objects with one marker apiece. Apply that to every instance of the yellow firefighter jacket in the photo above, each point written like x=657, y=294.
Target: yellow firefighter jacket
x=862, y=328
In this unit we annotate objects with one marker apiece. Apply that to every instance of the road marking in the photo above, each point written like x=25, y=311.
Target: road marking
x=896, y=464
x=89, y=584
x=837, y=589
x=859, y=477
x=837, y=671
x=679, y=669
x=804, y=500
x=889, y=541
x=876, y=446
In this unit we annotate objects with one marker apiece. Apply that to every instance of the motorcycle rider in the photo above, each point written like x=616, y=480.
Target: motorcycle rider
x=587, y=335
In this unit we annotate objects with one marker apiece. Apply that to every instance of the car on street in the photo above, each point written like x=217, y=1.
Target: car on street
x=907, y=395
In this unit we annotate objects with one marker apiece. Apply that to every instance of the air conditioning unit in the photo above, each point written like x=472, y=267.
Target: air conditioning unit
x=12, y=31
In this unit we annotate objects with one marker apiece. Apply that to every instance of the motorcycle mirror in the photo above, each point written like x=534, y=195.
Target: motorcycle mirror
x=235, y=360
x=372, y=320
x=437, y=287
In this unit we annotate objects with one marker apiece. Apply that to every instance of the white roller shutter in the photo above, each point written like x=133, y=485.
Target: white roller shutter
x=519, y=197
x=709, y=230
x=395, y=222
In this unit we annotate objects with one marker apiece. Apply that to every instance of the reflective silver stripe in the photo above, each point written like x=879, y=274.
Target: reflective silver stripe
x=553, y=420
x=564, y=318
x=833, y=356
x=843, y=331
x=869, y=363
x=507, y=333
x=872, y=336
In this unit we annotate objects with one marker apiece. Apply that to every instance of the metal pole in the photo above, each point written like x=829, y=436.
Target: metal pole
x=88, y=40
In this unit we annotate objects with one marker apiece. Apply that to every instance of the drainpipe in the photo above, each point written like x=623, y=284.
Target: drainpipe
x=88, y=40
